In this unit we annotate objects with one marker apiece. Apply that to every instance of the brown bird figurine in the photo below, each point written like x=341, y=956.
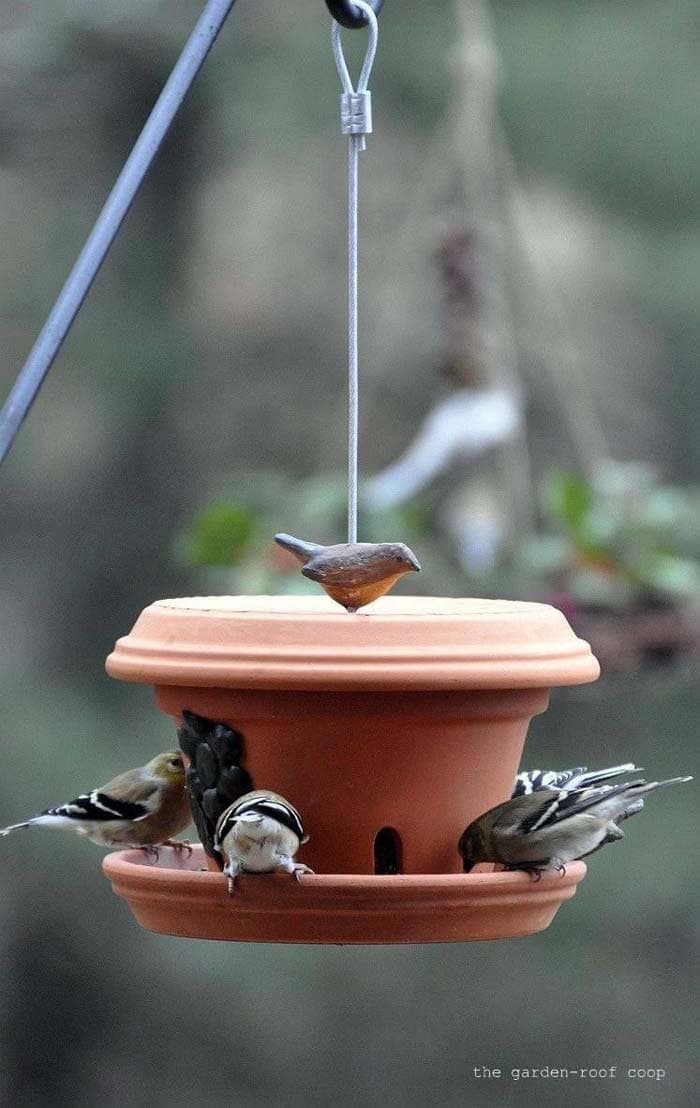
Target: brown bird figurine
x=353, y=574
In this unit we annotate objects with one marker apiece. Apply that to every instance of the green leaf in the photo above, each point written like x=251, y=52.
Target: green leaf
x=220, y=535
x=567, y=498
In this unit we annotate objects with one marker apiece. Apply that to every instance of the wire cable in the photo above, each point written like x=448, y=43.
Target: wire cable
x=356, y=120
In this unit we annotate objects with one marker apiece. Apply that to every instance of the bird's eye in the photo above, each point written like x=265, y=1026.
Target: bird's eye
x=176, y=763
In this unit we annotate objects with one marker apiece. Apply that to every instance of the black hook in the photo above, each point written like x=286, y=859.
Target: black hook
x=348, y=14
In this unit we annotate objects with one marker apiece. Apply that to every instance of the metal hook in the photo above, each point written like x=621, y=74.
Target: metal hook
x=350, y=14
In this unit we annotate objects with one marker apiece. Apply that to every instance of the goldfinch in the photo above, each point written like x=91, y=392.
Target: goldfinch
x=260, y=833
x=548, y=828
x=143, y=807
x=578, y=778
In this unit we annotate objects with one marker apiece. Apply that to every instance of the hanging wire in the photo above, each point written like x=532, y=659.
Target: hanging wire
x=112, y=216
x=356, y=120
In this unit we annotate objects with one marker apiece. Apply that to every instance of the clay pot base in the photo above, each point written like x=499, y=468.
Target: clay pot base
x=175, y=895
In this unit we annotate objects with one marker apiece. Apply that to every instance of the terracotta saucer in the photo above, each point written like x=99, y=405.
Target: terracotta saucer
x=176, y=895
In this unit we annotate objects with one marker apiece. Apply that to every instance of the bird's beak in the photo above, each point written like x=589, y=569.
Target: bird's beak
x=413, y=561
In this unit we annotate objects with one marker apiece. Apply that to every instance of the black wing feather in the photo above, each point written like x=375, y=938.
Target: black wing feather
x=100, y=808
x=564, y=805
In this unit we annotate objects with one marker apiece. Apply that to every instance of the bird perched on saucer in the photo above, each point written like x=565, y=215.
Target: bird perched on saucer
x=579, y=778
x=353, y=574
x=550, y=827
x=143, y=808
x=260, y=833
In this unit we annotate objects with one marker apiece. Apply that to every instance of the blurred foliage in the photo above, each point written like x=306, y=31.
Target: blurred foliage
x=213, y=343
x=619, y=539
x=220, y=536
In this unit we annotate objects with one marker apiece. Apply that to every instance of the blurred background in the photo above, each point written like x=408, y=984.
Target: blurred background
x=530, y=278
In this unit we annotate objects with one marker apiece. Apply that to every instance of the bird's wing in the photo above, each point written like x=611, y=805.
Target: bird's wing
x=281, y=811
x=100, y=807
x=133, y=796
x=343, y=569
x=577, y=778
x=266, y=804
x=531, y=781
x=550, y=807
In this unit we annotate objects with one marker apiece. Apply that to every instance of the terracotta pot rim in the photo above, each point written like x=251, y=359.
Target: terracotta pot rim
x=183, y=900
x=148, y=874
x=398, y=643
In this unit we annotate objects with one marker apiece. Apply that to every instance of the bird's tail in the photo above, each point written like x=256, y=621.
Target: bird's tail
x=52, y=818
x=301, y=550
x=15, y=827
x=642, y=788
x=618, y=802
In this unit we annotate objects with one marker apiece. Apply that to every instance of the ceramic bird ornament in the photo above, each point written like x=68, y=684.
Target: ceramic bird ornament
x=547, y=828
x=353, y=574
x=260, y=833
x=143, y=808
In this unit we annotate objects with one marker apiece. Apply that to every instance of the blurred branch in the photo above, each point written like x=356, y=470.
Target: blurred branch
x=566, y=370
x=481, y=354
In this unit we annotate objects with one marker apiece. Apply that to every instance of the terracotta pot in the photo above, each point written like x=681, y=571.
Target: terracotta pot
x=404, y=721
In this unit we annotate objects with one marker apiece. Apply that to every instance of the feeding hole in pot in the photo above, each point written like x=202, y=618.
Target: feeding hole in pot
x=387, y=851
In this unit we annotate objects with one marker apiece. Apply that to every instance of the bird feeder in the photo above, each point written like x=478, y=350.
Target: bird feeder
x=390, y=728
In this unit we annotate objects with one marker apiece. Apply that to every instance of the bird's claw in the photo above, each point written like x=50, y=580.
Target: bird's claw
x=299, y=870
x=535, y=874
x=180, y=846
x=231, y=874
x=151, y=851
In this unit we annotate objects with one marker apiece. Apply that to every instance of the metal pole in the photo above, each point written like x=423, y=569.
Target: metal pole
x=112, y=216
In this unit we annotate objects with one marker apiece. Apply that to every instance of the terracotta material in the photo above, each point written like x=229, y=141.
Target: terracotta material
x=176, y=897
x=407, y=719
x=304, y=642
x=354, y=763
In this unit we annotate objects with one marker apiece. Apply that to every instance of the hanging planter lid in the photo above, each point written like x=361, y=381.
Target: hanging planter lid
x=308, y=642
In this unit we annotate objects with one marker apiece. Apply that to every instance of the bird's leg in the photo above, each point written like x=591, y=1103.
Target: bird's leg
x=178, y=845
x=231, y=870
x=288, y=865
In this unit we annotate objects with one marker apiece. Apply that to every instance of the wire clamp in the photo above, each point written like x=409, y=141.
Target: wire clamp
x=356, y=103
x=356, y=113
